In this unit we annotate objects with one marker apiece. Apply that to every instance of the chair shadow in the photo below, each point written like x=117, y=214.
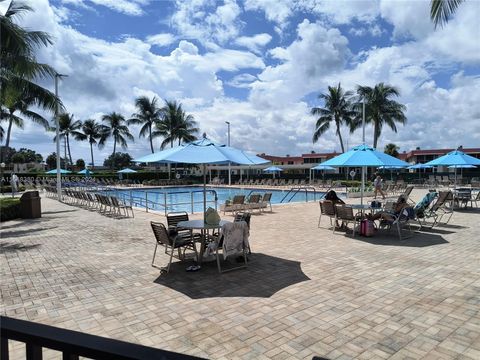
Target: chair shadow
x=415, y=239
x=6, y=247
x=21, y=233
x=468, y=210
x=264, y=276
x=58, y=212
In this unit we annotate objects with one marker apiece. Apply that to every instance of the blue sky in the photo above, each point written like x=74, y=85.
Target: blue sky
x=260, y=65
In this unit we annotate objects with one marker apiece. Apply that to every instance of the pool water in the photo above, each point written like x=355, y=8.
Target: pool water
x=180, y=198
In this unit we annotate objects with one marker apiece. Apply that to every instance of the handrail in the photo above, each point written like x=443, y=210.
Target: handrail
x=297, y=190
x=74, y=343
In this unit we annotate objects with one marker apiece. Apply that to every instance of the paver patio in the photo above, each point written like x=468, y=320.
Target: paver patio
x=306, y=292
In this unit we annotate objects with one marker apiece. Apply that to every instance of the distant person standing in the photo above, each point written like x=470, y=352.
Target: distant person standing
x=377, y=184
x=14, y=183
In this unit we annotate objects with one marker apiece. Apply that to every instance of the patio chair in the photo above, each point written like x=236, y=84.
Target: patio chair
x=443, y=206
x=171, y=243
x=266, y=201
x=238, y=203
x=121, y=206
x=345, y=214
x=174, y=218
x=244, y=216
x=232, y=241
x=399, y=222
x=326, y=209
x=475, y=200
x=254, y=202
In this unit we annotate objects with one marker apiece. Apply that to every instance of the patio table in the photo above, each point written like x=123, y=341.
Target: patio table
x=204, y=229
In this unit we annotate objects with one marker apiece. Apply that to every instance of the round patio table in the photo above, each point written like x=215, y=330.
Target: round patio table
x=204, y=228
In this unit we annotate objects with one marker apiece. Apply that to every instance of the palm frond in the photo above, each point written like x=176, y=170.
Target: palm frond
x=442, y=10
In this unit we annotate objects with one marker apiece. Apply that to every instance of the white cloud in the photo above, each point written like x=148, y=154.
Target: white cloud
x=254, y=43
x=316, y=52
x=372, y=30
x=128, y=7
x=164, y=39
x=205, y=21
x=242, y=81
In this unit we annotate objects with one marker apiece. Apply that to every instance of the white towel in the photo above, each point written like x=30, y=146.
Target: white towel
x=235, y=238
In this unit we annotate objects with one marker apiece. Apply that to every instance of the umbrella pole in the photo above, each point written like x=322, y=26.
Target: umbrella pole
x=455, y=183
x=204, y=191
x=363, y=185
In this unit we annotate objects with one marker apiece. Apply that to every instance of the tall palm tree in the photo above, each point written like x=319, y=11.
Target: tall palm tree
x=391, y=149
x=95, y=134
x=18, y=65
x=68, y=127
x=116, y=127
x=338, y=110
x=14, y=101
x=148, y=115
x=442, y=10
x=380, y=110
x=175, y=125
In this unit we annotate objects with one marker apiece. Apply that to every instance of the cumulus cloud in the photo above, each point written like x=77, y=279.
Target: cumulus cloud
x=128, y=7
x=205, y=21
x=316, y=52
x=254, y=43
x=106, y=76
x=164, y=39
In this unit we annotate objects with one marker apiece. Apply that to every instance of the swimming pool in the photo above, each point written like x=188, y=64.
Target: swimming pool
x=181, y=198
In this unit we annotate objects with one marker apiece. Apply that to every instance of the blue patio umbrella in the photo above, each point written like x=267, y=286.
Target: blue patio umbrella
x=419, y=167
x=455, y=158
x=203, y=151
x=273, y=170
x=85, y=172
x=462, y=166
x=54, y=171
x=364, y=156
x=323, y=168
x=126, y=171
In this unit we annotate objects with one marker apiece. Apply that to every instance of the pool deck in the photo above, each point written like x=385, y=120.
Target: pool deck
x=306, y=291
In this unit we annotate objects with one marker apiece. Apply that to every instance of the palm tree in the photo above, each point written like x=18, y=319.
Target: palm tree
x=18, y=66
x=95, y=134
x=148, y=115
x=380, y=110
x=116, y=127
x=391, y=149
x=14, y=101
x=175, y=125
x=68, y=127
x=442, y=10
x=338, y=109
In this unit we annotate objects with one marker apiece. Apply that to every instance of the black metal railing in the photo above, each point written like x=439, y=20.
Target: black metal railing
x=73, y=344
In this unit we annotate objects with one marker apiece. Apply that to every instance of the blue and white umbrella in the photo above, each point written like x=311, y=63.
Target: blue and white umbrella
x=54, y=171
x=419, y=166
x=126, y=171
x=85, y=172
x=455, y=158
x=203, y=151
x=364, y=156
x=273, y=170
x=321, y=167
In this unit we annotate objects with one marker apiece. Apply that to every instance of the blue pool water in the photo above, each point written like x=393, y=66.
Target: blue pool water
x=180, y=198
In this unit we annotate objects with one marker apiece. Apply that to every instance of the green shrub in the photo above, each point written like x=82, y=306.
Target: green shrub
x=8, y=189
x=9, y=209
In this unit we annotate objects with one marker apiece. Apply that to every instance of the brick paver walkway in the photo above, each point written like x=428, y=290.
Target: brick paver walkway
x=306, y=292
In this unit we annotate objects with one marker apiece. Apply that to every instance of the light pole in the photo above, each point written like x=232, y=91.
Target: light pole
x=57, y=125
x=228, y=143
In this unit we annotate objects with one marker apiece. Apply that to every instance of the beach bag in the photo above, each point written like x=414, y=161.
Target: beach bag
x=367, y=228
x=212, y=217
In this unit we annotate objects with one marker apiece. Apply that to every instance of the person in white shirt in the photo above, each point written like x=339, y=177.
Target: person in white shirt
x=377, y=184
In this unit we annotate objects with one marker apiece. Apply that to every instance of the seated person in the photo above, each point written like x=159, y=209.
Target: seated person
x=333, y=197
x=391, y=215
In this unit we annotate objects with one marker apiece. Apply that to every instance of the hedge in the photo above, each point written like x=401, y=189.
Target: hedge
x=9, y=209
